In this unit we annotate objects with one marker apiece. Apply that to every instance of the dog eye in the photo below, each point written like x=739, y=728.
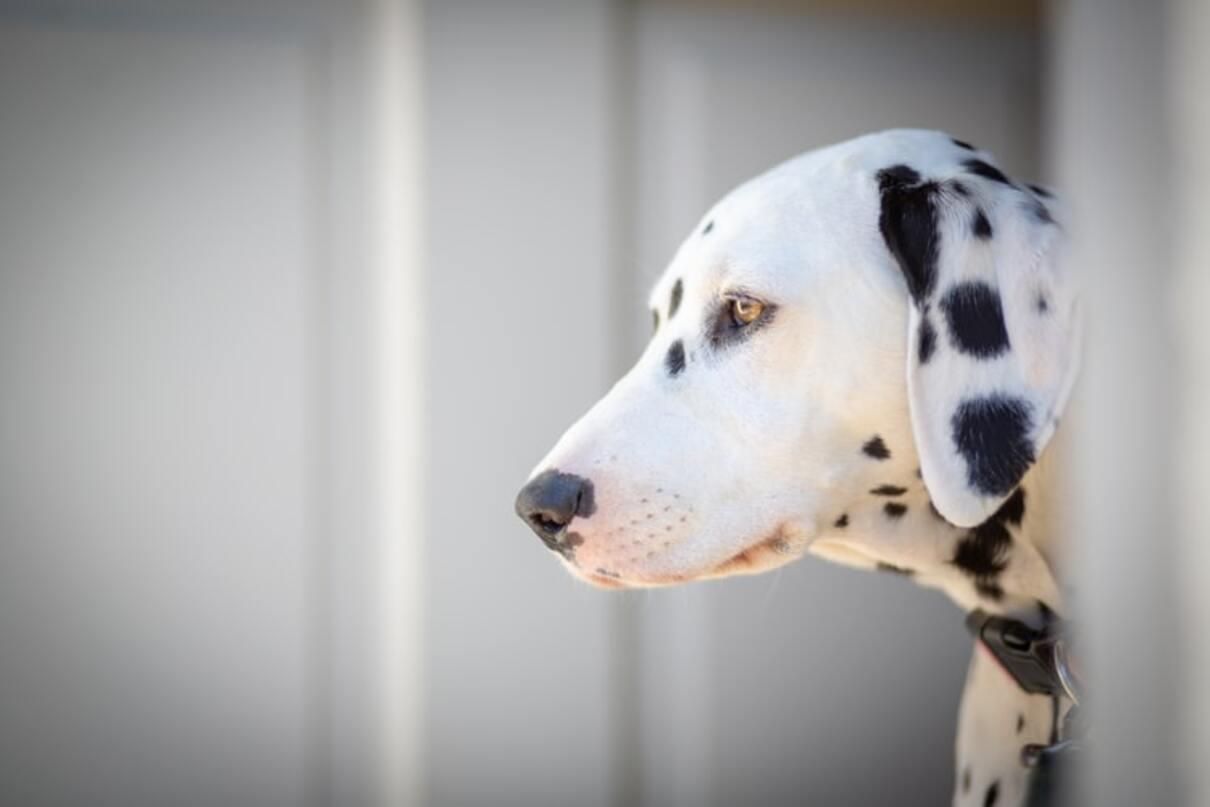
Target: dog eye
x=745, y=311
x=737, y=316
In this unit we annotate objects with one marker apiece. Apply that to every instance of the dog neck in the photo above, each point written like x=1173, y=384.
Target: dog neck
x=1004, y=565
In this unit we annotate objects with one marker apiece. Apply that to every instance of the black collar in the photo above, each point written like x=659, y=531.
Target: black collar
x=1037, y=659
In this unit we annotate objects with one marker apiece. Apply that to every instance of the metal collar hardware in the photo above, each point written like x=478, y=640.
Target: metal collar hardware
x=1037, y=659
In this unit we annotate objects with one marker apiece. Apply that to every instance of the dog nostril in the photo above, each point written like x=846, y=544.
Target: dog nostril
x=546, y=525
x=551, y=500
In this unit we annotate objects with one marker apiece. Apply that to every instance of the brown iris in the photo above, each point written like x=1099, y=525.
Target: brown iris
x=745, y=310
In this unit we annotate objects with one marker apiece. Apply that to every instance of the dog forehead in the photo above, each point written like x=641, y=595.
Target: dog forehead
x=765, y=235
x=813, y=212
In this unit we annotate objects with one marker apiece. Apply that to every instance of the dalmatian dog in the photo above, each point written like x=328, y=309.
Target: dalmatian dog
x=862, y=354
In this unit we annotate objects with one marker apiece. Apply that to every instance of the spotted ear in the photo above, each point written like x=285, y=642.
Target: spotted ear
x=993, y=331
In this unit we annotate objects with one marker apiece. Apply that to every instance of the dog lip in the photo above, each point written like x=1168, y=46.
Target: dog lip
x=776, y=543
x=602, y=581
x=627, y=582
x=746, y=558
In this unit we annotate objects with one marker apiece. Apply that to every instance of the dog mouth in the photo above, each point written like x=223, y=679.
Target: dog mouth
x=765, y=554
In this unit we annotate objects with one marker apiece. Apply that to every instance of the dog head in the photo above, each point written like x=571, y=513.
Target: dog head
x=893, y=289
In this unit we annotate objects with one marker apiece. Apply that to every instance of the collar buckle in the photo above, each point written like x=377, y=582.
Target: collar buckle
x=1038, y=660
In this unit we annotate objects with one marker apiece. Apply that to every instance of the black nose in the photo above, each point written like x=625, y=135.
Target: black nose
x=551, y=500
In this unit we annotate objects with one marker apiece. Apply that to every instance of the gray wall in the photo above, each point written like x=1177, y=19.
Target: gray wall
x=159, y=455
x=520, y=244
x=195, y=601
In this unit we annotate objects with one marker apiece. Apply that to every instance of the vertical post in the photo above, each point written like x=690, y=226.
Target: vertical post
x=373, y=563
x=1112, y=158
x=625, y=653
x=395, y=260
x=1188, y=87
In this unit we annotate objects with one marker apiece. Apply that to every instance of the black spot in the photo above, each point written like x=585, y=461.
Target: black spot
x=983, y=552
x=874, y=447
x=962, y=144
x=601, y=570
x=908, y=222
x=893, y=569
x=674, y=304
x=992, y=795
x=675, y=360
x=568, y=548
x=1020, y=723
x=709, y=226
x=959, y=188
x=966, y=780
x=1042, y=304
x=928, y=339
x=842, y=522
x=976, y=320
x=992, y=435
x=903, y=174
x=1038, y=189
x=987, y=171
x=1040, y=212
x=655, y=320
x=888, y=490
x=980, y=226
x=989, y=590
x=1013, y=509
x=894, y=510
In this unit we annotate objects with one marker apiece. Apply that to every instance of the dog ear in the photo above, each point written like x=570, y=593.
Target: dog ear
x=993, y=331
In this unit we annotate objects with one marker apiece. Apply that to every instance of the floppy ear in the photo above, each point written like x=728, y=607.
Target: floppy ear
x=993, y=331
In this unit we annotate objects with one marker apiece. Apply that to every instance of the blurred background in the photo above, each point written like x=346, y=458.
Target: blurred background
x=294, y=294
